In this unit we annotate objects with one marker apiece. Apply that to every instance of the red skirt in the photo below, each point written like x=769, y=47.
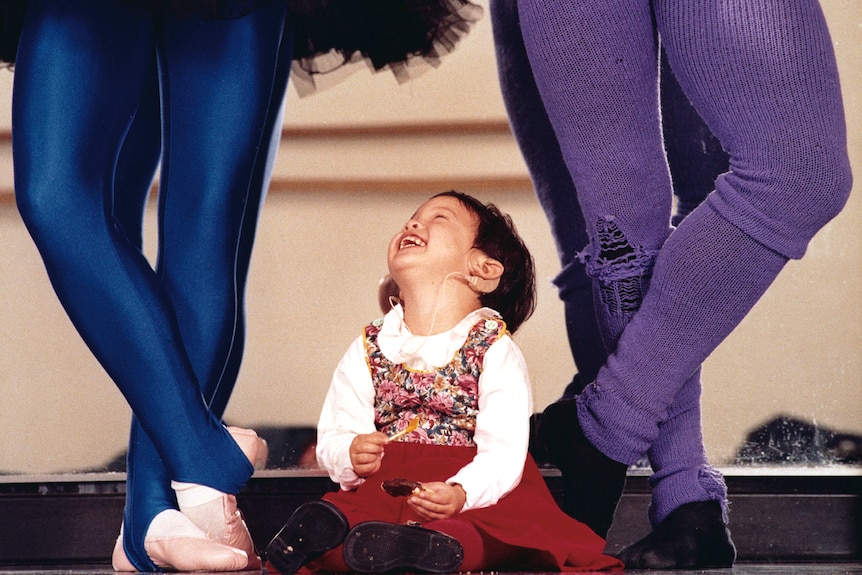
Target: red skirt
x=527, y=519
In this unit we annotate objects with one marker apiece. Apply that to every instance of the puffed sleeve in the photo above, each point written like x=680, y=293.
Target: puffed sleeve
x=502, y=427
x=348, y=411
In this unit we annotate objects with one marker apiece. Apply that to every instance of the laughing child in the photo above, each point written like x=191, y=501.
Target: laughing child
x=439, y=387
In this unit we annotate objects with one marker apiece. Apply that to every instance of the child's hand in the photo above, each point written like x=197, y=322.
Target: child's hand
x=438, y=500
x=366, y=451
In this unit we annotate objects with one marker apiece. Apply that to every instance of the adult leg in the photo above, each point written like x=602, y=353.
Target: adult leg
x=65, y=197
x=780, y=116
x=682, y=473
x=737, y=242
x=695, y=158
x=148, y=478
x=554, y=189
x=694, y=154
x=217, y=164
x=581, y=54
x=567, y=44
x=222, y=125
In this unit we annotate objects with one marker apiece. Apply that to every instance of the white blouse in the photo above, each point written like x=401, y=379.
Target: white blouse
x=502, y=424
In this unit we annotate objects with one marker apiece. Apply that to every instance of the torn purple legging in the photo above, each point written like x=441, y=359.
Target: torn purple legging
x=764, y=78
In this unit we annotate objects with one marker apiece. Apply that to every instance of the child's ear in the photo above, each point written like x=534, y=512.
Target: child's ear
x=487, y=269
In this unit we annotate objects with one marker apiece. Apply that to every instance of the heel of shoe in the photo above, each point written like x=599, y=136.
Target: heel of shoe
x=254, y=446
x=312, y=530
x=119, y=560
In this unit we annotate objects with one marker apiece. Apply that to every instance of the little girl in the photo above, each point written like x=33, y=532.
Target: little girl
x=439, y=388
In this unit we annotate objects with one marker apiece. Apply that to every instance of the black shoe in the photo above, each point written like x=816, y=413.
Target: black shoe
x=313, y=529
x=694, y=536
x=592, y=482
x=377, y=547
x=537, y=449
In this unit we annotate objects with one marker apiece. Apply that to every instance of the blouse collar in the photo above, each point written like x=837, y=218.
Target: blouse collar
x=400, y=345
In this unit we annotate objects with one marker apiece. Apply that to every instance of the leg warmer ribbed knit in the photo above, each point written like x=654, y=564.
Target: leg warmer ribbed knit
x=763, y=76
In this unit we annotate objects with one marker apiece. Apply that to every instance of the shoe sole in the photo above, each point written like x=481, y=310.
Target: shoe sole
x=377, y=547
x=313, y=529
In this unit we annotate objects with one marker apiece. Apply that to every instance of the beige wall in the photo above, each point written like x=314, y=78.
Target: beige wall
x=336, y=200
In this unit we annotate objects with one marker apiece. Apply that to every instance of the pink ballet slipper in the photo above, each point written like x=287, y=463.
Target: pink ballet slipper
x=216, y=513
x=185, y=550
x=223, y=523
x=236, y=532
x=192, y=554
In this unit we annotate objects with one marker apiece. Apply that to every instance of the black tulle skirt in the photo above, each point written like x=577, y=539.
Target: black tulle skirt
x=386, y=34
x=328, y=34
x=11, y=20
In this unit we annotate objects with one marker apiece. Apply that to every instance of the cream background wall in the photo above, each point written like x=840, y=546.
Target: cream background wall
x=355, y=161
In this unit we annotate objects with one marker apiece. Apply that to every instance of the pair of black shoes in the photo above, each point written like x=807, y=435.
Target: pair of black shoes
x=693, y=536
x=370, y=547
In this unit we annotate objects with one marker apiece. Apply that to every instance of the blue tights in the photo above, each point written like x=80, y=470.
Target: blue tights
x=86, y=142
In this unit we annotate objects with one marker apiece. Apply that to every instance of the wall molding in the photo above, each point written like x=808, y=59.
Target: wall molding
x=352, y=134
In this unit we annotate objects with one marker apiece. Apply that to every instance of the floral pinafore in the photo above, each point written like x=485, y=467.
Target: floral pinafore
x=446, y=400
x=527, y=525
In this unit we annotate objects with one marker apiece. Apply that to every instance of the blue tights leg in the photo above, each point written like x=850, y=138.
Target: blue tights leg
x=142, y=325
x=210, y=307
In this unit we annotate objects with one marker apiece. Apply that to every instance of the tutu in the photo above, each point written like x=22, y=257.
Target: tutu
x=328, y=34
x=11, y=21
x=385, y=34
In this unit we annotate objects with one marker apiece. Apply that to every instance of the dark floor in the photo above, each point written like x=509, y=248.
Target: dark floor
x=791, y=524
x=740, y=569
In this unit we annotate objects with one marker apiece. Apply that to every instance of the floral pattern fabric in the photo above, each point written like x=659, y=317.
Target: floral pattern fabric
x=446, y=401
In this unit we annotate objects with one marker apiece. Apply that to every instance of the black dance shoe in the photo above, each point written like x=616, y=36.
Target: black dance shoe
x=592, y=482
x=377, y=547
x=313, y=529
x=694, y=536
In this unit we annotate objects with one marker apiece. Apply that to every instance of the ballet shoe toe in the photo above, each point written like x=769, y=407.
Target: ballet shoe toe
x=237, y=535
x=193, y=554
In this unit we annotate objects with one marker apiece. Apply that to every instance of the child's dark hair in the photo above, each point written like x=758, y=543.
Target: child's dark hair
x=496, y=236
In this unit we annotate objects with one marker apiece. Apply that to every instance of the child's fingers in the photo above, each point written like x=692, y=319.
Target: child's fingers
x=435, y=501
x=430, y=510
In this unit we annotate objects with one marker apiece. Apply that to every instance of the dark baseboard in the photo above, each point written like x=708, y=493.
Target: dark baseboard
x=773, y=517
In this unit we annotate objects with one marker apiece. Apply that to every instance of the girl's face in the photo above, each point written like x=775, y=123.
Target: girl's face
x=437, y=239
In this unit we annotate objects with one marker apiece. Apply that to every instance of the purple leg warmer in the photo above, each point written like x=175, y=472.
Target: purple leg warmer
x=681, y=471
x=763, y=76
x=554, y=189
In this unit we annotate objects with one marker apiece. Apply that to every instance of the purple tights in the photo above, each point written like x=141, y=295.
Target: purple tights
x=763, y=77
